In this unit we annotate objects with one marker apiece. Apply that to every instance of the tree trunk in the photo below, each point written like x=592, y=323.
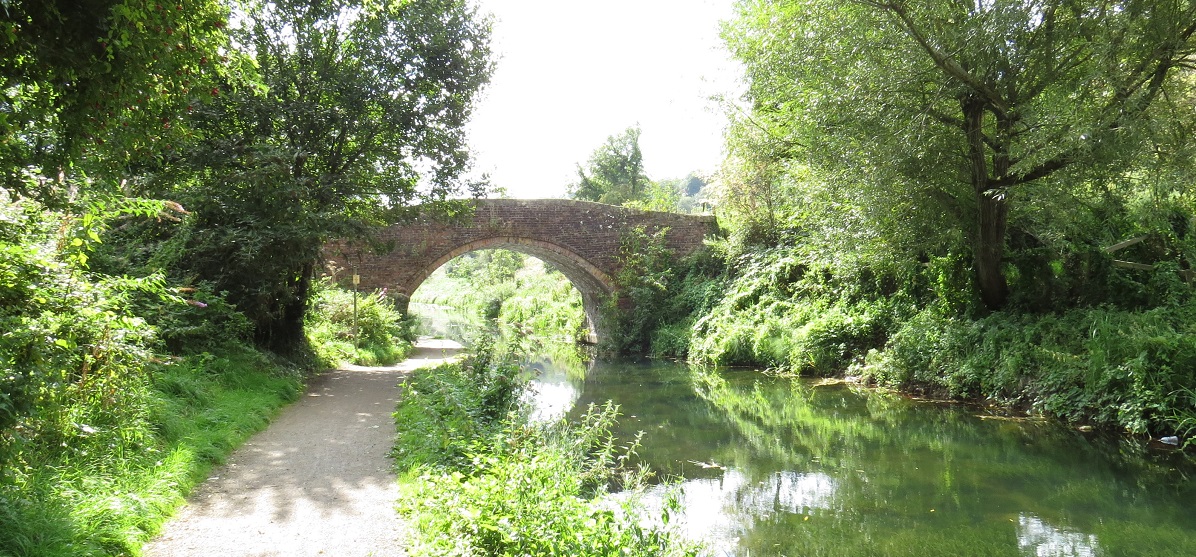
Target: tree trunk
x=992, y=208
x=990, y=249
x=286, y=332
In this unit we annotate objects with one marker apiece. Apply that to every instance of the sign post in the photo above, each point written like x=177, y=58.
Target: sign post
x=356, y=281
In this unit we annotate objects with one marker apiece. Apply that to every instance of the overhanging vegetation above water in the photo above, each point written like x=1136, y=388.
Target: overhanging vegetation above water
x=937, y=197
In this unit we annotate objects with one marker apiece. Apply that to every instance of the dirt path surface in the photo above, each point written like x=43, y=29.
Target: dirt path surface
x=316, y=482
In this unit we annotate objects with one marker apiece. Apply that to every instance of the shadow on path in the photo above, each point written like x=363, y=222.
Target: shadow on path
x=316, y=482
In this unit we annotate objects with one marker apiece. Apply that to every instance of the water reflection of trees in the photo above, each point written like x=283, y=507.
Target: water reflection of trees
x=568, y=359
x=831, y=470
x=898, y=466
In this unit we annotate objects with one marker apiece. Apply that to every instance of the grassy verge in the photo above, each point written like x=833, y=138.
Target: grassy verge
x=108, y=490
x=477, y=479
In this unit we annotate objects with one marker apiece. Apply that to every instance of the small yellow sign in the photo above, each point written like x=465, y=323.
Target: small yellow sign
x=356, y=280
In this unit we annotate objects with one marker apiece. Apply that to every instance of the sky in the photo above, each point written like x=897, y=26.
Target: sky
x=569, y=74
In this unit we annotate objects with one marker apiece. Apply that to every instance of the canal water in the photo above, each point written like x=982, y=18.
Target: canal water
x=767, y=466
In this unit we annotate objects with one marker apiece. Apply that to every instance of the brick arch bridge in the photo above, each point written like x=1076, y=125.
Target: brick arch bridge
x=579, y=238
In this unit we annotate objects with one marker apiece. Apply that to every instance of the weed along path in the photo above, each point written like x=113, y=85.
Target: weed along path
x=316, y=482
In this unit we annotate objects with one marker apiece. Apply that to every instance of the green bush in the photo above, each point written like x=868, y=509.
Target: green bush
x=100, y=437
x=671, y=340
x=778, y=313
x=72, y=355
x=536, y=491
x=703, y=278
x=1134, y=370
x=446, y=413
x=658, y=296
x=383, y=335
x=646, y=272
x=204, y=322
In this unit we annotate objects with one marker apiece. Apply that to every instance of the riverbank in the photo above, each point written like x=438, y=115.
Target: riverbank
x=478, y=478
x=1127, y=366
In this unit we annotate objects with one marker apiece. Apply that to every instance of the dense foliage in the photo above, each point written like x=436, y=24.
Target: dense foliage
x=963, y=125
x=71, y=346
x=657, y=298
x=358, y=113
x=986, y=200
x=777, y=313
x=126, y=368
x=98, y=437
x=357, y=328
x=479, y=480
x=989, y=201
x=92, y=87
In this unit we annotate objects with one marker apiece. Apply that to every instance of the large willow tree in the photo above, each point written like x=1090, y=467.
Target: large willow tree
x=968, y=107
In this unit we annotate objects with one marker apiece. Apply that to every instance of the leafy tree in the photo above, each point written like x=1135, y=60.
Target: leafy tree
x=951, y=114
x=657, y=196
x=487, y=267
x=361, y=113
x=614, y=173
x=687, y=195
x=92, y=86
x=757, y=186
x=691, y=185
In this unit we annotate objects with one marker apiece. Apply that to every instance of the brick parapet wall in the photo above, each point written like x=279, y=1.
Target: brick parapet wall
x=586, y=234
x=579, y=238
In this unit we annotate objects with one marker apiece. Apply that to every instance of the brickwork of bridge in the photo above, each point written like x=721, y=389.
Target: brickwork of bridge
x=579, y=238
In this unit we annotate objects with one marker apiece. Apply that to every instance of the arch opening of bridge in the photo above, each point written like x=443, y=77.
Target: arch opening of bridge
x=593, y=284
x=579, y=238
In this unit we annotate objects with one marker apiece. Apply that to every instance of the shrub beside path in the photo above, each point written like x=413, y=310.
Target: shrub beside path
x=317, y=481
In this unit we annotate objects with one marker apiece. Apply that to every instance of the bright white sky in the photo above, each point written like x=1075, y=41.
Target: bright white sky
x=571, y=73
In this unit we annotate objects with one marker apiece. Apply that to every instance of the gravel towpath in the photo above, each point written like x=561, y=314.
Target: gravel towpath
x=317, y=481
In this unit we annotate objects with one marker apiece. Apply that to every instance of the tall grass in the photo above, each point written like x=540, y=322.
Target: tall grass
x=478, y=480
x=109, y=490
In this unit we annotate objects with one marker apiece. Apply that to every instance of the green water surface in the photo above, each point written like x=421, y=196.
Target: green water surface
x=773, y=466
